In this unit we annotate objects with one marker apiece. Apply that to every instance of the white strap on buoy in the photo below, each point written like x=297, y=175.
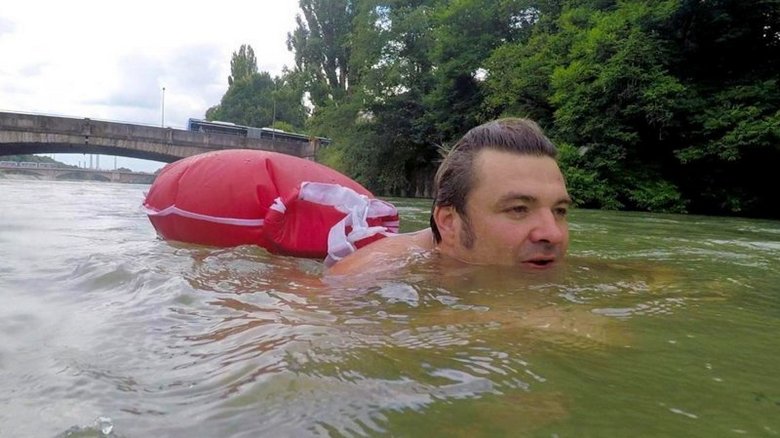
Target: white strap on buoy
x=174, y=210
x=358, y=209
x=278, y=205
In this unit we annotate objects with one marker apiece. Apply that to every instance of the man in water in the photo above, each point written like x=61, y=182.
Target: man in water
x=499, y=199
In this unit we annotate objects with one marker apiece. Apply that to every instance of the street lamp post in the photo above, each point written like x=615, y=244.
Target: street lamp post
x=162, y=111
x=273, y=119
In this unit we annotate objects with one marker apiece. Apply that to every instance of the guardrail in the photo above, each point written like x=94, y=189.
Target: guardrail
x=42, y=165
x=30, y=164
x=68, y=116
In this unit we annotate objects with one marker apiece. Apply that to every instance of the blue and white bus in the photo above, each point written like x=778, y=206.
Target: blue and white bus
x=227, y=128
x=216, y=127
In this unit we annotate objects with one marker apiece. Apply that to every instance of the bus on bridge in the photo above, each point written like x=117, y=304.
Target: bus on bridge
x=217, y=127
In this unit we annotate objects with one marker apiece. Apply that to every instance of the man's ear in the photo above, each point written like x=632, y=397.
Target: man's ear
x=447, y=221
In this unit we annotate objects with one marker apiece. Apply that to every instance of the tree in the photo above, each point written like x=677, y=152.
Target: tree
x=670, y=105
x=256, y=99
x=248, y=101
x=322, y=45
x=465, y=32
x=728, y=51
x=614, y=96
x=243, y=64
x=388, y=135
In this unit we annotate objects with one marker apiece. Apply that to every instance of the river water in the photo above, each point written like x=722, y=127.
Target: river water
x=658, y=325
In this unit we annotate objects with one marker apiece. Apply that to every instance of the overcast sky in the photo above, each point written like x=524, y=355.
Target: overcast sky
x=110, y=60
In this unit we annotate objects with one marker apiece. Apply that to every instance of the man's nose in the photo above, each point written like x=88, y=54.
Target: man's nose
x=548, y=228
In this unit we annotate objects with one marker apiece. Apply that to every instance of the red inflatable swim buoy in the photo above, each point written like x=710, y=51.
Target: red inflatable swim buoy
x=285, y=204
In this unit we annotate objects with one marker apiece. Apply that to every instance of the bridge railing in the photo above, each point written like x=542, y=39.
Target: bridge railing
x=59, y=166
x=96, y=119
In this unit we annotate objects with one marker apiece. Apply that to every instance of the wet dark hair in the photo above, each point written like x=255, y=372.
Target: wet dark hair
x=455, y=178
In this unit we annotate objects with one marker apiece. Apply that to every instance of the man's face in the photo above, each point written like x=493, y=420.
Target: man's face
x=516, y=213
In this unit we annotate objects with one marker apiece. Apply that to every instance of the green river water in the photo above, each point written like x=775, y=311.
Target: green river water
x=658, y=325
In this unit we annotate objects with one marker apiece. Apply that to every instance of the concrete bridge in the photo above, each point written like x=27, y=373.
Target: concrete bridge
x=39, y=134
x=50, y=171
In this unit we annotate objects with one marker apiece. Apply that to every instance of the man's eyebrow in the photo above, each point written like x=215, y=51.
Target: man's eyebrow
x=512, y=196
x=566, y=200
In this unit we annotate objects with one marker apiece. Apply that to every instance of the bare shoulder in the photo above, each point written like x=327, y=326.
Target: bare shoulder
x=383, y=252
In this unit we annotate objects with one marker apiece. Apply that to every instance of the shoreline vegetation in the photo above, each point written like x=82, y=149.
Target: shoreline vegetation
x=670, y=106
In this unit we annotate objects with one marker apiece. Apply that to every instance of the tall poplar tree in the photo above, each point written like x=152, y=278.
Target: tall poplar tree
x=322, y=45
x=243, y=64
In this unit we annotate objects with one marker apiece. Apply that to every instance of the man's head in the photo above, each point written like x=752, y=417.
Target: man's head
x=499, y=197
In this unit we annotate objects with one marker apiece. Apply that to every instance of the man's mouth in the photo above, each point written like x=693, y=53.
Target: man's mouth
x=540, y=262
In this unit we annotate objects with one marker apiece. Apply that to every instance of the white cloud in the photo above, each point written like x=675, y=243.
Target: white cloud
x=109, y=60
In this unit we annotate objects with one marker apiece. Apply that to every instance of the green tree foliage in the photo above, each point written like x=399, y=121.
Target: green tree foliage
x=465, y=33
x=243, y=64
x=248, y=101
x=322, y=44
x=287, y=102
x=613, y=96
x=256, y=99
x=667, y=105
x=663, y=102
x=387, y=142
x=729, y=54
x=408, y=94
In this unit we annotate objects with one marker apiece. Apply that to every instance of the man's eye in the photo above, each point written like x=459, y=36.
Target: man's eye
x=561, y=211
x=518, y=209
